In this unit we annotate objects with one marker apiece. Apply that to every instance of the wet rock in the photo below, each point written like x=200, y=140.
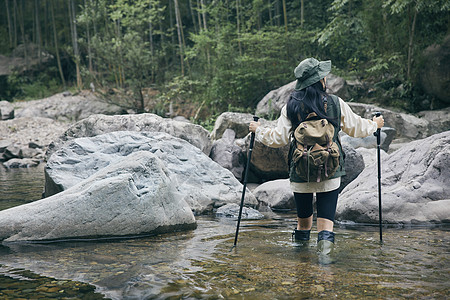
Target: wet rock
x=134, y=195
x=414, y=186
x=232, y=211
x=6, y=110
x=100, y=124
x=21, y=163
x=228, y=155
x=275, y=194
x=203, y=183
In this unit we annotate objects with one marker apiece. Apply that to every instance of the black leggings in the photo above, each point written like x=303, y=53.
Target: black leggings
x=326, y=204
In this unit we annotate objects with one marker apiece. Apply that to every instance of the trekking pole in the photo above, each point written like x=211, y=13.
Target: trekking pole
x=247, y=166
x=378, y=135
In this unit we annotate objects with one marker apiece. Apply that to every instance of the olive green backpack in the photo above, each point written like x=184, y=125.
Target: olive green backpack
x=315, y=156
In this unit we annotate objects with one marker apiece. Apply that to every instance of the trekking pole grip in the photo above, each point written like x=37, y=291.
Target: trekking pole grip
x=377, y=133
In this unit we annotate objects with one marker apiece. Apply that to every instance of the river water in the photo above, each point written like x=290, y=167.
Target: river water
x=413, y=262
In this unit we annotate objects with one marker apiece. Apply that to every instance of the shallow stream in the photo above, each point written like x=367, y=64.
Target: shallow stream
x=201, y=264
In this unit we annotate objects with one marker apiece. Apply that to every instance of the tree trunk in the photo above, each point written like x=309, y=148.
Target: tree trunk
x=411, y=44
x=180, y=40
x=194, y=24
x=238, y=27
x=200, y=27
x=88, y=36
x=75, y=41
x=55, y=36
x=15, y=13
x=204, y=15
x=38, y=30
x=10, y=29
x=302, y=10
x=285, y=15
x=270, y=12
x=22, y=29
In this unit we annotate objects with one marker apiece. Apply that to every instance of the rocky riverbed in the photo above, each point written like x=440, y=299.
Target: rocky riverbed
x=86, y=145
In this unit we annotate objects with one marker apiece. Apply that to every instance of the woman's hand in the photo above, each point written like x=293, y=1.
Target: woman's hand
x=253, y=126
x=379, y=120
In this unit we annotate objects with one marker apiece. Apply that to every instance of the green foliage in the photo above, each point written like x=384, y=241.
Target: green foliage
x=241, y=53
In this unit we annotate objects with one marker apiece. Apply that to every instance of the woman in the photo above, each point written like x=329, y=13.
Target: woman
x=310, y=96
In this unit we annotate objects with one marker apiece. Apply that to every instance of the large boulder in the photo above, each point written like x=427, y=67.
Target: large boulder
x=415, y=182
x=66, y=107
x=270, y=106
x=132, y=196
x=227, y=154
x=438, y=120
x=386, y=137
x=275, y=194
x=99, y=124
x=202, y=183
x=354, y=165
x=407, y=126
x=238, y=122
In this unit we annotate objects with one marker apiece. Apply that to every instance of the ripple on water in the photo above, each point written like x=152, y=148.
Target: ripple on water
x=266, y=264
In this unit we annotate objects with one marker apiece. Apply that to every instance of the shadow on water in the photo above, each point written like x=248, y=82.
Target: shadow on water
x=412, y=263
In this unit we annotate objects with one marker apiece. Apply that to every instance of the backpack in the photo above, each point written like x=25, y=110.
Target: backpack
x=315, y=156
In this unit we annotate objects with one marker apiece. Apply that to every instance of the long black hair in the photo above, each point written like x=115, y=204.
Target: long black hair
x=308, y=100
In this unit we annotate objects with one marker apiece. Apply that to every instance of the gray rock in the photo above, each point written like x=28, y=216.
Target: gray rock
x=238, y=122
x=228, y=155
x=100, y=124
x=415, y=182
x=203, y=183
x=21, y=163
x=70, y=108
x=232, y=211
x=270, y=106
x=407, y=126
x=275, y=194
x=338, y=86
x=354, y=165
x=387, y=135
x=439, y=120
x=133, y=196
x=6, y=110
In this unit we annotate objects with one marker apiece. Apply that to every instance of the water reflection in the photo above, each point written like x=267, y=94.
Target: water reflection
x=266, y=263
x=20, y=185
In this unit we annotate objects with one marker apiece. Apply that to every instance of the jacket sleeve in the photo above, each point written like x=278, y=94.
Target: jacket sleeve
x=354, y=125
x=278, y=136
